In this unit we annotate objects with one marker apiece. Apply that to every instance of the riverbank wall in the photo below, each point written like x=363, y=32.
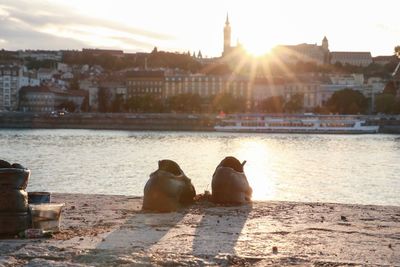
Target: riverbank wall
x=109, y=121
x=143, y=122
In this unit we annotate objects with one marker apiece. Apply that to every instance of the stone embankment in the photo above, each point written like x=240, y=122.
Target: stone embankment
x=100, y=230
x=143, y=122
x=109, y=121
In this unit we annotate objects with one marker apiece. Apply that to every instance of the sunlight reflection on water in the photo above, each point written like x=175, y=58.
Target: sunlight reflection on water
x=329, y=168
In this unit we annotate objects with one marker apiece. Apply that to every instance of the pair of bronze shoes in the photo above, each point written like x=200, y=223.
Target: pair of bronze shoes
x=169, y=189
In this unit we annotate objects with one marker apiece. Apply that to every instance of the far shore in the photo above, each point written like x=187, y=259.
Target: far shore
x=141, y=121
x=108, y=121
x=111, y=230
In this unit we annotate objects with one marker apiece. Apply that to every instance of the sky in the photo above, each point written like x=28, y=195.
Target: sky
x=193, y=25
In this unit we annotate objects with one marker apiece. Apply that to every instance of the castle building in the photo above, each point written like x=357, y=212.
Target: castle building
x=291, y=54
x=353, y=58
x=318, y=54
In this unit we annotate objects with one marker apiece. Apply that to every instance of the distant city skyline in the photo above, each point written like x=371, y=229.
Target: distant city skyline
x=175, y=25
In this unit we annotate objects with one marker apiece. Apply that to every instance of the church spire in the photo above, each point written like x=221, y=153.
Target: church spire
x=325, y=44
x=227, y=36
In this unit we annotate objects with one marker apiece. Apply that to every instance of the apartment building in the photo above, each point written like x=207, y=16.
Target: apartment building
x=10, y=83
x=207, y=85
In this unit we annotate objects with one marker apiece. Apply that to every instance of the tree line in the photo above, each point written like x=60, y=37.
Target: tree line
x=181, y=103
x=346, y=101
x=183, y=61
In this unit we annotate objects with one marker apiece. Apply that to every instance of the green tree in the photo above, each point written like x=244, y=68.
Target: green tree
x=347, y=101
x=273, y=104
x=118, y=103
x=158, y=59
x=216, y=69
x=67, y=105
x=8, y=55
x=390, y=88
x=397, y=50
x=385, y=103
x=85, y=104
x=185, y=103
x=31, y=63
x=74, y=85
x=134, y=104
x=396, y=108
x=228, y=103
x=321, y=110
x=295, y=103
x=104, y=96
x=146, y=103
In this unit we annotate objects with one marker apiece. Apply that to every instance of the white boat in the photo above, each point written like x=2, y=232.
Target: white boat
x=307, y=123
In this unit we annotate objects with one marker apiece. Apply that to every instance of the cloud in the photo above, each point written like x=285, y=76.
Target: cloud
x=133, y=42
x=388, y=28
x=18, y=36
x=43, y=25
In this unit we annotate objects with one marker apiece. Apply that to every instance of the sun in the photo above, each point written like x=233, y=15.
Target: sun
x=256, y=50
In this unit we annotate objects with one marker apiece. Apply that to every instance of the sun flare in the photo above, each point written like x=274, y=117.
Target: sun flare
x=257, y=49
x=257, y=171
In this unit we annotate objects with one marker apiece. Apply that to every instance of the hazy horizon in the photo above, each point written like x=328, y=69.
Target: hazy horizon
x=198, y=25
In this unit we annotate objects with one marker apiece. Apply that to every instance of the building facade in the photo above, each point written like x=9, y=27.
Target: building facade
x=141, y=83
x=45, y=74
x=41, y=55
x=207, y=85
x=316, y=91
x=92, y=88
x=318, y=54
x=45, y=99
x=383, y=60
x=37, y=99
x=101, y=52
x=10, y=83
x=362, y=59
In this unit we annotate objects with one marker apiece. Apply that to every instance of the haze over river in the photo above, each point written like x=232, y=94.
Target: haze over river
x=362, y=169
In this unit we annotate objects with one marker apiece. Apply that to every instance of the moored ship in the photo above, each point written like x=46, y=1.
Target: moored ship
x=305, y=123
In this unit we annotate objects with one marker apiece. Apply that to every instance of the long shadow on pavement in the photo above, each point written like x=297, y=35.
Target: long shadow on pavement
x=219, y=230
x=131, y=243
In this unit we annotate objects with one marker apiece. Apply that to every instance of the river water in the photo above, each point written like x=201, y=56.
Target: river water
x=359, y=169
